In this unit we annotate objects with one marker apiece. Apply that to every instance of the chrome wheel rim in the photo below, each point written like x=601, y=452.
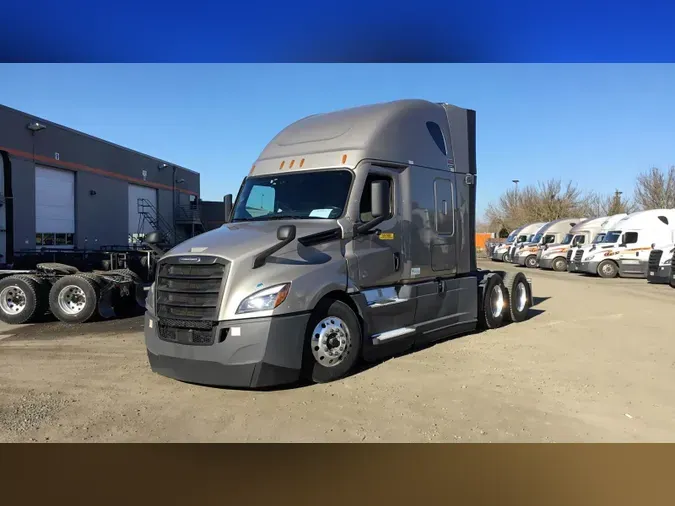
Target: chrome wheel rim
x=497, y=301
x=331, y=341
x=72, y=300
x=12, y=300
x=521, y=297
x=607, y=269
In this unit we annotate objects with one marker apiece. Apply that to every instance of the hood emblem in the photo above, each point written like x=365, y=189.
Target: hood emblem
x=198, y=249
x=192, y=260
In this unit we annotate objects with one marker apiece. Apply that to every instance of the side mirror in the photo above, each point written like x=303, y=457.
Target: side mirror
x=286, y=233
x=227, y=201
x=153, y=238
x=379, y=197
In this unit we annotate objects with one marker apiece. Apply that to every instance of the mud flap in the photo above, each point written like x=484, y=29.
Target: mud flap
x=106, y=307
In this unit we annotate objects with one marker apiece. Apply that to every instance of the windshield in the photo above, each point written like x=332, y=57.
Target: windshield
x=537, y=237
x=549, y=239
x=302, y=195
x=567, y=239
x=612, y=237
x=599, y=238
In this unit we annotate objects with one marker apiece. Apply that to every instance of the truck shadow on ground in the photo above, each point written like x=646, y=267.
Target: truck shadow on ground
x=534, y=312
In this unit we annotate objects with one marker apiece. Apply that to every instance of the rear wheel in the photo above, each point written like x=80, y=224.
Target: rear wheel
x=493, y=302
x=608, y=269
x=519, y=296
x=21, y=300
x=531, y=262
x=74, y=299
x=332, y=343
x=559, y=264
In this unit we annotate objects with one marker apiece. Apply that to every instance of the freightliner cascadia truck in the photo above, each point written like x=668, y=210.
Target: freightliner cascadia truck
x=351, y=239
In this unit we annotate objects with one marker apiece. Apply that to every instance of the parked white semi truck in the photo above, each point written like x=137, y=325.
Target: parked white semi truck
x=592, y=232
x=555, y=256
x=553, y=232
x=660, y=265
x=352, y=237
x=501, y=251
x=625, y=249
x=526, y=235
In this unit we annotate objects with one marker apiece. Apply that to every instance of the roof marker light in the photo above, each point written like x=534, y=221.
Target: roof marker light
x=302, y=162
x=344, y=158
x=282, y=165
x=290, y=166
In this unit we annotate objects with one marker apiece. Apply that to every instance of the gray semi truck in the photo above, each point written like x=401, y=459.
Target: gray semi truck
x=352, y=238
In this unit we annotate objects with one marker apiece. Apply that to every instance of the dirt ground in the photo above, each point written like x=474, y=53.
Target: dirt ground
x=595, y=362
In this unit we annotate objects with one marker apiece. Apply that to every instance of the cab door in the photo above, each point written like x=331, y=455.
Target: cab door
x=378, y=252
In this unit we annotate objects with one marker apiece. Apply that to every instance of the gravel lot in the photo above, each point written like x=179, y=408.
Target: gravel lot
x=595, y=362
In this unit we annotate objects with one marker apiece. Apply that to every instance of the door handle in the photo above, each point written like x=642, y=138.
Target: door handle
x=397, y=262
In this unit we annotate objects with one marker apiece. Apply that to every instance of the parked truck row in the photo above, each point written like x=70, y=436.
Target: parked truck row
x=636, y=245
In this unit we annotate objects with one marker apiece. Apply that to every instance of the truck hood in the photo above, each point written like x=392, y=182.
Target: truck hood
x=241, y=239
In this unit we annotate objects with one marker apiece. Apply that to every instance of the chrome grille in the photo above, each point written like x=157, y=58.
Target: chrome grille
x=569, y=254
x=578, y=255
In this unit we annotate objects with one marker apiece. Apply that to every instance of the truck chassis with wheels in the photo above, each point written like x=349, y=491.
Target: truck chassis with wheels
x=76, y=296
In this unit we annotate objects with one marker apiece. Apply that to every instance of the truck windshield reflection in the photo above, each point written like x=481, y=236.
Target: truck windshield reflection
x=301, y=195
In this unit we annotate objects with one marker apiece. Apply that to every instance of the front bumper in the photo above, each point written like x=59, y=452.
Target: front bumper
x=546, y=263
x=255, y=353
x=588, y=267
x=633, y=269
x=520, y=259
x=660, y=275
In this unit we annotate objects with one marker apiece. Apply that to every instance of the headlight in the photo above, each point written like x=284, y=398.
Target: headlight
x=589, y=258
x=668, y=261
x=265, y=300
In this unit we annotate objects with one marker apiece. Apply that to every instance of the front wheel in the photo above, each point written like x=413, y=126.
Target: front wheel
x=531, y=262
x=332, y=343
x=608, y=269
x=505, y=257
x=559, y=264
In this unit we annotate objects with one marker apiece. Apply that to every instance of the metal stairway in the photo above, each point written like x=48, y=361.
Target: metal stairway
x=148, y=214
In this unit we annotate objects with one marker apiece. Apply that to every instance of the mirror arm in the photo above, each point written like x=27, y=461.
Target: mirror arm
x=259, y=260
x=365, y=227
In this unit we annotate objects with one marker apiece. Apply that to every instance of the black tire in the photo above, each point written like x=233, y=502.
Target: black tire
x=559, y=264
x=505, y=257
x=531, y=262
x=486, y=318
x=88, y=286
x=608, y=269
x=32, y=297
x=313, y=369
x=516, y=284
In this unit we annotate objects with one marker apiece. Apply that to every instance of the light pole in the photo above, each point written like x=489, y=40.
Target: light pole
x=516, y=181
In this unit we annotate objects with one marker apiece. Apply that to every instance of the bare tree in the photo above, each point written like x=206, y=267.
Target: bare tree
x=594, y=205
x=655, y=189
x=545, y=201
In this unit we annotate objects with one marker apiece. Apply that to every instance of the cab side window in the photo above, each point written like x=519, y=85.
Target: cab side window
x=365, y=207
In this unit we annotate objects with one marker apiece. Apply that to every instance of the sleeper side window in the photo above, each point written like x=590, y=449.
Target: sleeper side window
x=365, y=206
x=630, y=237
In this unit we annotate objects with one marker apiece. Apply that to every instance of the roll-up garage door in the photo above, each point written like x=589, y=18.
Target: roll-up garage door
x=140, y=223
x=54, y=207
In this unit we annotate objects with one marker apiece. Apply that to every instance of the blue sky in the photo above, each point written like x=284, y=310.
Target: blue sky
x=597, y=125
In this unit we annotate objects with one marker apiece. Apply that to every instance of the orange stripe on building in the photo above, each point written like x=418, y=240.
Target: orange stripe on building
x=93, y=170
